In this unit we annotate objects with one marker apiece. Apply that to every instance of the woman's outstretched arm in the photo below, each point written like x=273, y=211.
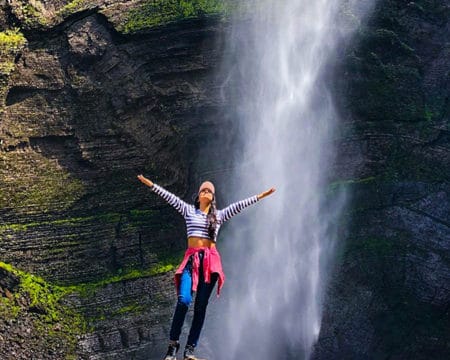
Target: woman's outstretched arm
x=181, y=206
x=237, y=207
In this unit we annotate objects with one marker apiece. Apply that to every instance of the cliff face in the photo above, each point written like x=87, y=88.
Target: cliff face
x=389, y=296
x=88, y=101
x=84, y=109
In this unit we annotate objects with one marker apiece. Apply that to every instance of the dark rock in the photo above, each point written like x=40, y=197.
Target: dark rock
x=88, y=40
x=389, y=295
x=8, y=281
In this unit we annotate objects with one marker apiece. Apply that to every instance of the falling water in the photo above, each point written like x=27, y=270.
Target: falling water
x=276, y=255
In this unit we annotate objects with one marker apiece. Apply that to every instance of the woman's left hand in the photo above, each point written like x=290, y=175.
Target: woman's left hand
x=266, y=193
x=145, y=181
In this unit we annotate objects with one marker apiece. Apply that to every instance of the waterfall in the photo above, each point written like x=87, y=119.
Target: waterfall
x=277, y=253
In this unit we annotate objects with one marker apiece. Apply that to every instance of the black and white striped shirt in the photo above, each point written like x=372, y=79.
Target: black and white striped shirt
x=196, y=220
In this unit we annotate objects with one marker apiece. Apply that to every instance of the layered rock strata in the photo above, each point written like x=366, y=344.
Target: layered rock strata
x=389, y=295
x=85, y=109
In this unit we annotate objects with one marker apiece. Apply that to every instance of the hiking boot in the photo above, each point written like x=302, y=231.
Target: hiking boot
x=172, y=350
x=189, y=353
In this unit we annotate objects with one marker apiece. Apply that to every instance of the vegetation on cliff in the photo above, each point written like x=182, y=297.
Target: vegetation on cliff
x=37, y=316
x=53, y=188
x=126, y=17
x=42, y=318
x=159, y=12
x=33, y=14
x=73, y=7
x=386, y=82
x=165, y=264
x=11, y=42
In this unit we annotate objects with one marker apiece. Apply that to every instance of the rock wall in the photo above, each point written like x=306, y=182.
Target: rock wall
x=84, y=109
x=389, y=296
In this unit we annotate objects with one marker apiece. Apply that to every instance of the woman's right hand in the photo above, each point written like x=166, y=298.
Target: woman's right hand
x=266, y=193
x=145, y=181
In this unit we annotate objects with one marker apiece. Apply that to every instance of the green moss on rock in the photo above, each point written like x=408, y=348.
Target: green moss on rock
x=165, y=264
x=51, y=188
x=134, y=218
x=338, y=185
x=73, y=7
x=159, y=12
x=40, y=302
x=133, y=308
x=11, y=43
x=32, y=13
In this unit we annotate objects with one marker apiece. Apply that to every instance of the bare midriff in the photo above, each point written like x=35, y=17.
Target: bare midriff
x=197, y=242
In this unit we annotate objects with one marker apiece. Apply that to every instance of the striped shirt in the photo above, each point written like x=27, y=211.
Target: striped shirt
x=196, y=220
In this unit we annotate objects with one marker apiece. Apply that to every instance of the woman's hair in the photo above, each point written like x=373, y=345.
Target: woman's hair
x=212, y=217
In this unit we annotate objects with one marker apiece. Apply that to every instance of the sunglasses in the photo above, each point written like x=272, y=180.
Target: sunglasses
x=206, y=191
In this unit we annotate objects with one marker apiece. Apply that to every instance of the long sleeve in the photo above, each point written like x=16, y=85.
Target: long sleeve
x=235, y=208
x=181, y=206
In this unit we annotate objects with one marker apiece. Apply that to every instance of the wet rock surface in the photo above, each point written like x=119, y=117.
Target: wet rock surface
x=389, y=293
x=85, y=110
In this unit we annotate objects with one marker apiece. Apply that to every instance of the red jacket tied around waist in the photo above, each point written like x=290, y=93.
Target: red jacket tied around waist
x=211, y=264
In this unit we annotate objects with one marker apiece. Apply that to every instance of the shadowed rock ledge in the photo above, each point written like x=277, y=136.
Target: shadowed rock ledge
x=84, y=110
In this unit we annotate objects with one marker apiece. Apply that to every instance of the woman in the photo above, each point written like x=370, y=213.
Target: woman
x=201, y=267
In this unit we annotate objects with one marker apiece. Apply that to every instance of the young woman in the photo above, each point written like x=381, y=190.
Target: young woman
x=201, y=267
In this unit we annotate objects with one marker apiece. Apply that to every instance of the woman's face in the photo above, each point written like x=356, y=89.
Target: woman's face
x=205, y=195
